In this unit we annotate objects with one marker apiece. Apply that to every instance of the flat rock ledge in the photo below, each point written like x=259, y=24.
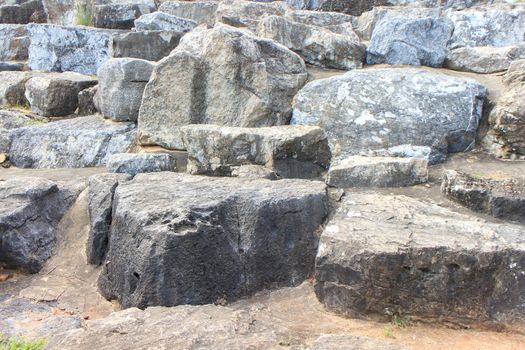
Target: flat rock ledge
x=183, y=239
x=395, y=255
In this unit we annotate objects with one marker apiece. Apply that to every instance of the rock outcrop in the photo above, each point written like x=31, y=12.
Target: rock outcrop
x=164, y=21
x=484, y=59
x=12, y=88
x=136, y=163
x=14, y=42
x=240, y=13
x=150, y=45
x=202, y=12
x=119, y=16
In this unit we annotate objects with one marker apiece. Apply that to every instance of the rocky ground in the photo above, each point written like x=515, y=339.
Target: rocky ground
x=263, y=174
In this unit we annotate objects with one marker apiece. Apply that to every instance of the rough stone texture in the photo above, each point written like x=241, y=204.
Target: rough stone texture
x=184, y=239
x=497, y=25
x=255, y=172
x=71, y=143
x=146, y=45
x=359, y=171
x=225, y=77
x=418, y=42
x=60, y=12
x=410, y=151
x=14, y=42
x=290, y=151
x=501, y=198
x=29, y=215
x=118, y=16
x=136, y=163
x=12, y=88
x=12, y=66
x=355, y=8
x=86, y=104
x=9, y=120
x=56, y=94
x=239, y=13
x=320, y=19
x=386, y=254
x=100, y=201
x=202, y=12
x=484, y=59
x=316, y=45
x=350, y=342
x=121, y=85
x=506, y=137
x=164, y=21
x=370, y=109
x=26, y=12
x=60, y=49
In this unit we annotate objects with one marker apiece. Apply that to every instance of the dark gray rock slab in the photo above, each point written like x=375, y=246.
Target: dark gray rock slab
x=136, y=163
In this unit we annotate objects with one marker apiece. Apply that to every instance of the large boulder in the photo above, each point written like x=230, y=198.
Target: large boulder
x=185, y=239
x=484, y=59
x=71, y=143
x=506, y=135
x=290, y=151
x=29, y=215
x=202, y=12
x=488, y=26
x=121, y=85
x=12, y=88
x=375, y=108
x=26, y=12
x=241, y=13
x=119, y=16
x=225, y=77
x=150, y=45
x=390, y=255
x=56, y=94
x=136, y=163
x=164, y=21
x=14, y=42
x=412, y=41
x=317, y=45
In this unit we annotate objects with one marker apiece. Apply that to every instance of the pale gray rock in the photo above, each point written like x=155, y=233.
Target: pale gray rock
x=14, y=42
x=240, y=13
x=497, y=25
x=121, y=85
x=502, y=198
x=71, y=143
x=387, y=255
x=320, y=19
x=10, y=120
x=317, y=45
x=29, y=215
x=484, y=59
x=290, y=151
x=375, y=108
x=202, y=12
x=12, y=88
x=86, y=102
x=119, y=16
x=151, y=45
x=360, y=171
x=185, y=239
x=410, y=151
x=164, y=21
x=61, y=12
x=100, y=201
x=136, y=163
x=56, y=94
x=225, y=77
x=253, y=171
x=417, y=42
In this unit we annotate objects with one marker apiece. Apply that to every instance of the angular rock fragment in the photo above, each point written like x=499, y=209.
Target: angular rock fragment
x=320, y=19
x=29, y=215
x=388, y=255
x=375, y=108
x=184, y=239
x=151, y=45
x=14, y=42
x=202, y=12
x=86, y=104
x=121, y=85
x=118, y=16
x=240, y=13
x=23, y=13
x=254, y=172
x=359, y=171
x=225, y=77
x=9, y=120
x=135, y=163
x=484, y=59
x=12, y=66
x=12, y=88
x=71, y=143
x=290, y=151
x=164, y=21
x=318, y=46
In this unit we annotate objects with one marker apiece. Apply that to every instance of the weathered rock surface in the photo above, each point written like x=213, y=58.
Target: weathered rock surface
x=29, y=215
x=497, y=25
x=350, y=342
x=121, y=85
x=386, y=254
x=86, y=103
x=370, y=109
x=9, y=120
x=355, y=8
x=359, y=171
x=320, y=19
x=484, y=59
x=151, y=45
x=12, y=66
x=225, y=77
x=501, y=198
x=255, y=172
x=290, y=151
x=71, y=143
x=23, y=13
x=100, y=201
x=164, y=21
x=62, y=12
x=118, y=16
x=240, y=13
x=318, y=46
x=14, y=42
x=12, y=88
x=412, y=41
x=183, y=239
x=202, y=12
x=136, y=163
x=56, y=94
x=506, y=137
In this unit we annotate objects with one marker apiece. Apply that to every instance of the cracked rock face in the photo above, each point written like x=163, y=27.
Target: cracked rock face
x=225, y=77
x=375, y=108
x=182, y=239
x=202, y=12
x=29, y=215
x=386, y=254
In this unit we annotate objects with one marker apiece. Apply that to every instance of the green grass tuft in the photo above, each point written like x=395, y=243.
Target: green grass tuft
x=21, y=343
x=84, y=13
